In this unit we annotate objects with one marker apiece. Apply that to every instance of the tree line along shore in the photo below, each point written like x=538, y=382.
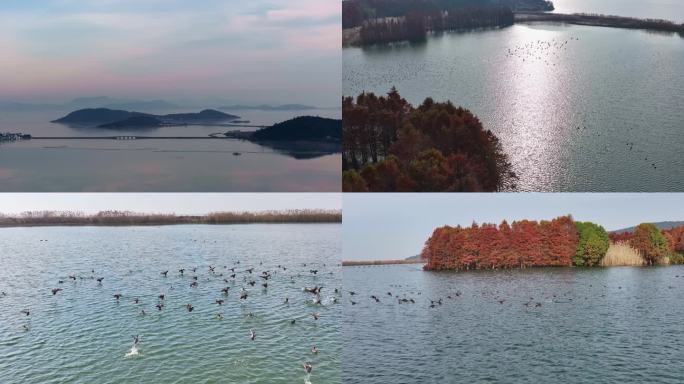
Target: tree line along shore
x=121, y=218
x=369, y=22
x=560, y=242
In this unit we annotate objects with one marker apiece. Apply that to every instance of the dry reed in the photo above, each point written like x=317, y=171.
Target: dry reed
x=621, y=254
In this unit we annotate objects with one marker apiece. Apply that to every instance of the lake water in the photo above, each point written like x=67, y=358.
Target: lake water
x=82, y=335
x=612, y=325
x=160, y=165
x=600, y=113
x=644, y=9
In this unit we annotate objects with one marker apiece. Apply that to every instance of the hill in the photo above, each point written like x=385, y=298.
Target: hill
x=96, y=116
x=115, y=118
x=311, y=128
x=264, y=107
x=141, y=121
x=660, y=225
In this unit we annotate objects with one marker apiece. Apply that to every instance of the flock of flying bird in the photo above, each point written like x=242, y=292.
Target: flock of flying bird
x=228, y=276
x=540, y=50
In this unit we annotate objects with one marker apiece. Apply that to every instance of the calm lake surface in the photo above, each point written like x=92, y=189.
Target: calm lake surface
x=82, y=335
x=159, y=165
x=602, y=112
x=612, y=325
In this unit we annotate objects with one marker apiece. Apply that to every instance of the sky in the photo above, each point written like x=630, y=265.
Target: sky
x=179, y=203
x=395, y=226
x=255, y=51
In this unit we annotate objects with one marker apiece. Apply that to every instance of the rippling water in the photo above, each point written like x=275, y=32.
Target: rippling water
x=613, y=325
x=602, y=113
x=81, y=335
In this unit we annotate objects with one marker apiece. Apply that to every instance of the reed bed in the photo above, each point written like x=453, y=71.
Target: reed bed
x=120, y=218
x=622, y=254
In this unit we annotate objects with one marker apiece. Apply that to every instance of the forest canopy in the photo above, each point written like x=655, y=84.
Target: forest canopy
x=521, y=244
x=559, y=242
x=355, y=12
x=388, y=145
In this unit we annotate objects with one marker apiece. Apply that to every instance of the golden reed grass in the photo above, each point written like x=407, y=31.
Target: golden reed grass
x=620, y=254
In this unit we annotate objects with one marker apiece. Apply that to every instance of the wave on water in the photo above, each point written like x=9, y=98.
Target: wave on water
x=133, y=352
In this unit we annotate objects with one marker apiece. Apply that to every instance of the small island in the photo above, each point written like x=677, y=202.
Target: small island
x=106, y=118
x=561, y=242
x=302, y=137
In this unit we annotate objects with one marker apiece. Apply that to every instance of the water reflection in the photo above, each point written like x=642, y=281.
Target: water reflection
x=163, y=165
x=602, y=114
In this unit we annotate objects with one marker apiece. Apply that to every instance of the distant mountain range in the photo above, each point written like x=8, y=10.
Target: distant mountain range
x=284, y=107
x=660, y=225
x=142, y=105
x=92, y=102
x=116, y=119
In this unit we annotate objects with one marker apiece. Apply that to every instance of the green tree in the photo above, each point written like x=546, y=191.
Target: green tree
x=648, y=240
x=592, y=244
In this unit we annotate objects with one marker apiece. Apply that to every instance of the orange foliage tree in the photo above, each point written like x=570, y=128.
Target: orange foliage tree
x=522, y=244
x=389, y=146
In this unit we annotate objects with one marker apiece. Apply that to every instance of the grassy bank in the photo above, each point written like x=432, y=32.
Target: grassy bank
x=118, y=218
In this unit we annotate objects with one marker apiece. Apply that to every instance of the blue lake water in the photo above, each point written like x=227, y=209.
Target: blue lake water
x=602, y=112
x=601, y=325
x=82, y=334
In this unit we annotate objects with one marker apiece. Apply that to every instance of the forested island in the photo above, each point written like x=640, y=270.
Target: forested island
x=302, y=128
x=117, y=119
x=555, y=243
x=302, y=137
x=390, y=146
x=125, y=218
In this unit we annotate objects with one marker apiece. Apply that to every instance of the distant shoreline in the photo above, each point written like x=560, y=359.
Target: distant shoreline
x=596, y=20
x=122, y=219
x=351, y=37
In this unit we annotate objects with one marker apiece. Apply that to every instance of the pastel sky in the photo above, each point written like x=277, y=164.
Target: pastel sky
x=179, y=203
x=395, y=226
x=265, y=51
